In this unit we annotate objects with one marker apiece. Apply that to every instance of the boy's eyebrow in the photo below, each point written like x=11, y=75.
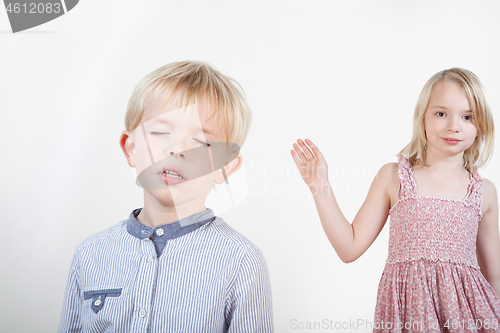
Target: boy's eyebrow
x=207, y=132
x=159, y=120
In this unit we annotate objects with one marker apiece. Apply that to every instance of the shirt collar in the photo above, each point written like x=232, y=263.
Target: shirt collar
x=171, y=230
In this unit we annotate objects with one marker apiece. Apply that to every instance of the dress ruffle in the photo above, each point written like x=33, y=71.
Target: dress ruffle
x=436, y=296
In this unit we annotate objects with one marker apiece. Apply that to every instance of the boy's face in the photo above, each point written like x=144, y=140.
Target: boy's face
x=178, y=152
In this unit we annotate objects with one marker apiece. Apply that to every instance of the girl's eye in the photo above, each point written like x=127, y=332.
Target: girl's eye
x=440, y=114
x=468, y=118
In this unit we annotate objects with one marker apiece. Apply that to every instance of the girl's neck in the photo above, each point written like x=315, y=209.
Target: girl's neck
x=445, y=164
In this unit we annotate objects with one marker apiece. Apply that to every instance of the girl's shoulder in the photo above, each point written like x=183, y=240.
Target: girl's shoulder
x=489, y=192
x=389, y=169
x=395, y=170
x=488, y=185
x=389, y=181
x=388, y=175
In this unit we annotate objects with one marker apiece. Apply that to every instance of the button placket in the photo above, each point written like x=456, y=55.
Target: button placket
x=147, y=276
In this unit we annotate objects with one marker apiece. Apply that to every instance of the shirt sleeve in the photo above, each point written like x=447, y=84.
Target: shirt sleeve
x=249, y=307
x=70, y=314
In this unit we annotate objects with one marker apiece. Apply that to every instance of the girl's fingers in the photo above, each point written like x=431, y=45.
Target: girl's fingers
x=315, y=149
x=296, y=159
x=300, y=153
x=306, y=149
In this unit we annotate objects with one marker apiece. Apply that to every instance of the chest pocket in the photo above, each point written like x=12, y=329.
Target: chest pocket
x=99, y=297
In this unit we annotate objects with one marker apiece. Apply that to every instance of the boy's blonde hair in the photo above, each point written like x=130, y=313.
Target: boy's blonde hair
x=197, y=80
x=481, y=150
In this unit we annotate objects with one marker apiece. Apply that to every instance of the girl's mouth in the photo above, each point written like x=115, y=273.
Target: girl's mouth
x=451, y=141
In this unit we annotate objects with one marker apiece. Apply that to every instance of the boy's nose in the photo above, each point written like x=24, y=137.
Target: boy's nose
x=179, y=146
x=172, y=154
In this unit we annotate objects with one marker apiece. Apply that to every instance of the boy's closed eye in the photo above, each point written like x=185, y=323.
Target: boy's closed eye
x=205, y=143
x=159, y=133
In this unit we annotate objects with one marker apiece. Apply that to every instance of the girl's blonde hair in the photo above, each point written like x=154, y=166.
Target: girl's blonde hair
x=481, y=150
x=197, y=80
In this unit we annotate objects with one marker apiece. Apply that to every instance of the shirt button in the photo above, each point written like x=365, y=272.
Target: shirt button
x=150, y=259
x=160, y=232
x=97, y=302
x=142, y=313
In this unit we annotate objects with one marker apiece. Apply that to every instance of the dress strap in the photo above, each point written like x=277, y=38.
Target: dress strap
x=475, y=194
x=407, y=186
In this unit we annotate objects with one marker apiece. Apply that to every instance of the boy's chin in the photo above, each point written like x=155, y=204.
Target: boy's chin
x=177, y=195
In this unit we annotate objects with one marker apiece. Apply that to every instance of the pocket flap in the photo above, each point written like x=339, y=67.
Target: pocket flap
x=99, y=296
x=108, y=292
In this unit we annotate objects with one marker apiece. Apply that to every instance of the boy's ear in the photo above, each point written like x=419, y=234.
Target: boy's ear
x=229, y=168
x=128, y=147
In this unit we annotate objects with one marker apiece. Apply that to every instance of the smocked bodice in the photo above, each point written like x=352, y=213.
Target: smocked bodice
x=434, y=228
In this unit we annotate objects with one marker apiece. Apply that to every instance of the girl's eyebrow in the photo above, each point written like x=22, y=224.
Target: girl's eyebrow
x=445, y=108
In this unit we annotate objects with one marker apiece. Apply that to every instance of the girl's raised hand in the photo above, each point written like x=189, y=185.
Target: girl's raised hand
x=311, y=163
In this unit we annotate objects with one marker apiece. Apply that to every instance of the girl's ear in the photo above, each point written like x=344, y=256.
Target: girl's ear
x=229, y=168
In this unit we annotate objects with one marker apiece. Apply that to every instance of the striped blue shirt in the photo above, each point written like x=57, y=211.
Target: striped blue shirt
x=195, y=275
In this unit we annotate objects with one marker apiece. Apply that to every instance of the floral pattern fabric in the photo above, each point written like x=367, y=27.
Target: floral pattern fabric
x=432, y=281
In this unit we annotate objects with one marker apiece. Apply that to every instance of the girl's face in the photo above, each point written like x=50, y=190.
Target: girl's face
x=449, y=125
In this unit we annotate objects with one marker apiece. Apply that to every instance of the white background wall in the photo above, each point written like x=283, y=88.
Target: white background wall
x=345, y=74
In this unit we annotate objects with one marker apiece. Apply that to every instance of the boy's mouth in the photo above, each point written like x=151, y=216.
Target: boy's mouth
x=171, y=176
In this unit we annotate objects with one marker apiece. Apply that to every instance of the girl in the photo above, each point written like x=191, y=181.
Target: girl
x=440, y=208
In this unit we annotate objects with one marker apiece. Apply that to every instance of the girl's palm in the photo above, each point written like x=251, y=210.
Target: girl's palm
x=310, y=162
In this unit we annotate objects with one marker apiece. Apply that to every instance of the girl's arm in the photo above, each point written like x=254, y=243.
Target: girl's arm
x=488, y=240
x=350, y=241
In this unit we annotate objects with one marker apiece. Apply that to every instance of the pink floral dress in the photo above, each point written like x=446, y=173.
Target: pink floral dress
x=431, y=281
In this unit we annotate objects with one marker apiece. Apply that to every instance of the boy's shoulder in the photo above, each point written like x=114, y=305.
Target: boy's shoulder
x=224, y=232
x=218, y=228
x=234, y=245
x=102, y=236
x=217, y=231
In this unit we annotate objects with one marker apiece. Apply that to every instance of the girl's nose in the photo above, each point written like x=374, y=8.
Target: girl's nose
x=453, y=125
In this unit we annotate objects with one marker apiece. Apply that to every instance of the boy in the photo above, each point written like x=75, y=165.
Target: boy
x=173, y=266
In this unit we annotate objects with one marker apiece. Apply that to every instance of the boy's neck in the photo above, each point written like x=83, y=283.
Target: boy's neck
x=156, y=215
